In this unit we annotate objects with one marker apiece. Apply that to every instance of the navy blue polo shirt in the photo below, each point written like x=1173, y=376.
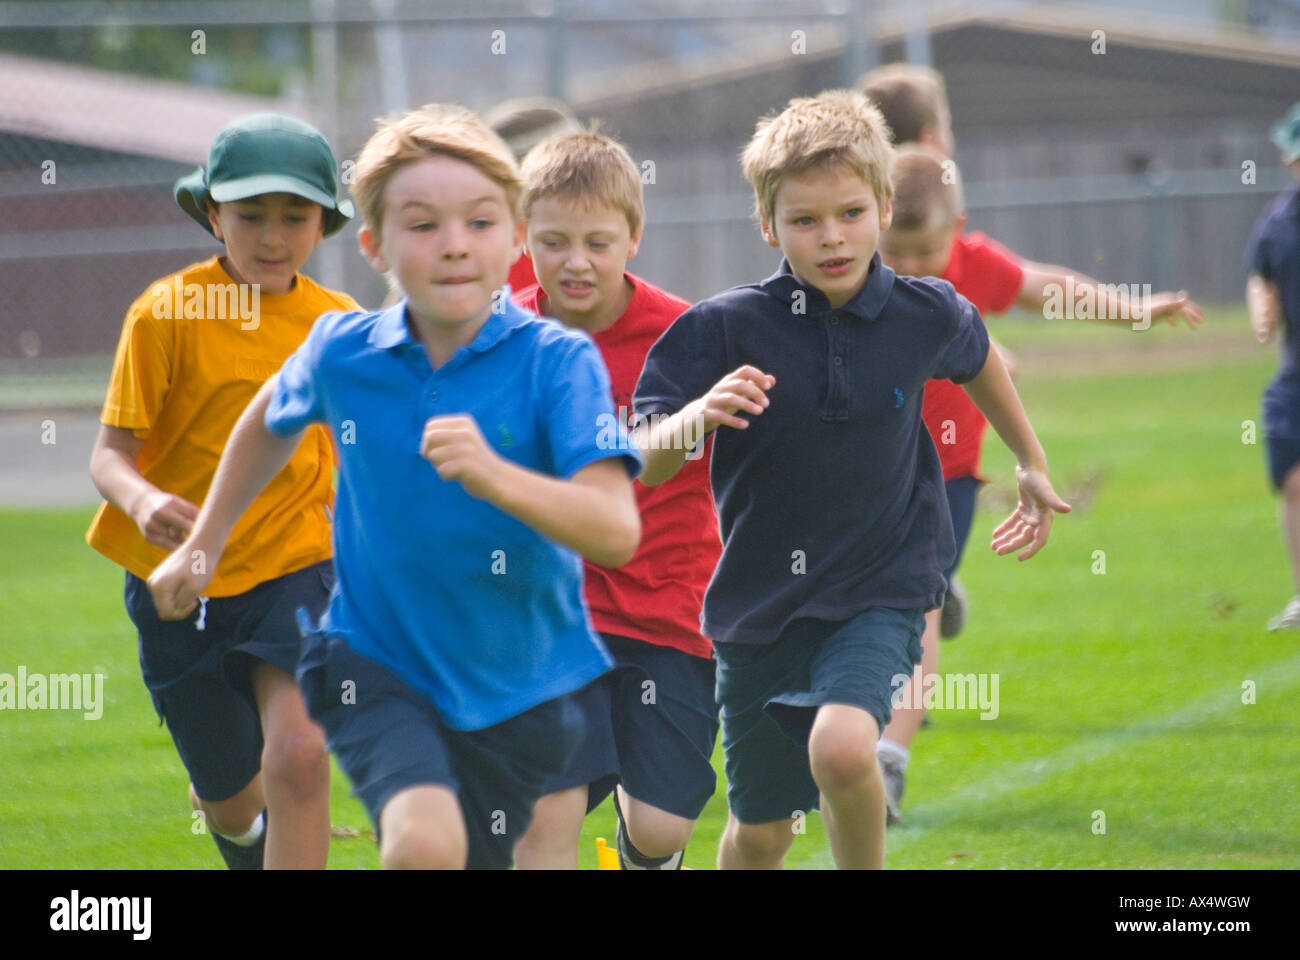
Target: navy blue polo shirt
x=472, y=607
x=832, y=501
x=1275, y=256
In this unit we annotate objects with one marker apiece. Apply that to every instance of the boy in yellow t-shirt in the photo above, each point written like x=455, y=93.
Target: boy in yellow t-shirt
x=195, y=348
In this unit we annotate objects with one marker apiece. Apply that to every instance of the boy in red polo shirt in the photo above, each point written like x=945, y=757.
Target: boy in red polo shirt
x=652, y=721
x=926, y=240
x=524, y=122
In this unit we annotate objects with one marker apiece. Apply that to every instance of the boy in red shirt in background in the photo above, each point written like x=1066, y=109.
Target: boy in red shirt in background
x=652, y=721
x=926, y=239
x=523, y=123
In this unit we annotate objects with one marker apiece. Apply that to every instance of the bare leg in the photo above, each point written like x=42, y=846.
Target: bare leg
x=551, y=840
x=842, y=751
x=761, y=846
x=295, y=775
x=423, y=828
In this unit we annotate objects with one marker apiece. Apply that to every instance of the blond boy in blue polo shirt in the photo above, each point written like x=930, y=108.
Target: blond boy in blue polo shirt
x=473, y=477
x=829, y=494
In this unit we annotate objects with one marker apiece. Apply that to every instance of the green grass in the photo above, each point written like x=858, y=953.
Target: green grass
x=1119, y=692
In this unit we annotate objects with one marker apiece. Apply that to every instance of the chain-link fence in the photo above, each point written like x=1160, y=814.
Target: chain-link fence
x=1146, y=160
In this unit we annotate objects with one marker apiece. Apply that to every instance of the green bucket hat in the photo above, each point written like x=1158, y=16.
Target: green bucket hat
x=266, y=153
x=1286, y=134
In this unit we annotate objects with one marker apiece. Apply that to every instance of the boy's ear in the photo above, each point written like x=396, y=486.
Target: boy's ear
x=769, y=233
x=635, y=245
x=959, y=224
x=521, y=237
x=212, y=218
x=320, y=224
x=887, y=214
x=369, y=244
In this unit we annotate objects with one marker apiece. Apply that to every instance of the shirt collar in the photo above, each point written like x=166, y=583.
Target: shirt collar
x=865, y=305
x=391, y=329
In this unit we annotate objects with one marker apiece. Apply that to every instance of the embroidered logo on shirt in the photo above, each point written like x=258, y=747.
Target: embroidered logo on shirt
x=898, y=398
x=506, y=439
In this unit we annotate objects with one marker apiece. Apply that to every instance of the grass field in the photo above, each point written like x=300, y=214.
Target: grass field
x=1120, y=692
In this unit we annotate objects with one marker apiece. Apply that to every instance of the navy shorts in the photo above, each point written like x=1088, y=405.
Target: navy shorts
x=388, y=738
x=1280, y=413
x=962, y=492
x=770, y=695
x=651, y=725
x=1283, y=455
x=201, y=679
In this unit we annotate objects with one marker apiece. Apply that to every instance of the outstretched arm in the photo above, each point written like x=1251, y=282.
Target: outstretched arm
x=252, y=458
x=1031, y=522
x=1044, y=281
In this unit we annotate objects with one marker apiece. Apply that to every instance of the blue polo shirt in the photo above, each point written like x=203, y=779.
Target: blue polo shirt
x=470, y=606
x=1275, y=256
x=832, y=501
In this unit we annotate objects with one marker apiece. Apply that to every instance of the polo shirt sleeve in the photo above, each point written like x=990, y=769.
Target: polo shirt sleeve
x=1261, y=262
x=684, y=363
x=296, y=400
x=964, y=356
x=581, y=425
x=142, y=372
x=1001, y=273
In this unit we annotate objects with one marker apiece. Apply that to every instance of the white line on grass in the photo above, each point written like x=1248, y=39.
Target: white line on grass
x=1015, y=777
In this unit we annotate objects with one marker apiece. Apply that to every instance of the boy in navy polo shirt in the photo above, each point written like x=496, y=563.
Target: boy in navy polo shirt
x=473, y=478
x=1273, y=297
x=830, y=497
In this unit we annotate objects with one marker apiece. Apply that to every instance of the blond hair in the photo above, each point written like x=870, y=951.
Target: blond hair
x=911, y=97
x=835, y=128
x=927, y=188
x=436, y=129
x=586, y=168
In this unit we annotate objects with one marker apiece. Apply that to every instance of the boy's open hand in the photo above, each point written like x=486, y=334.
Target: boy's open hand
x=174, y=584
x=1032, y=520
x=455, y=446
x=165, y=519
x=745, y=388
x=1171, y=306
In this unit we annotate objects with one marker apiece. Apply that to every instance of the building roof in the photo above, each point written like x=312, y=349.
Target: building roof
x=117, y=111
x=1020, y=45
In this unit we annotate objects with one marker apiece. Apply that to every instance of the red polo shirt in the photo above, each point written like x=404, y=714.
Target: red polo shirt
x=989, y=276
x=657, y=596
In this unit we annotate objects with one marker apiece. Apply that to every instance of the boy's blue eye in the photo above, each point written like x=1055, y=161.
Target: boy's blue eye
x=481, y=223
x=854, y=212
x=422, y=227
x=803, y=221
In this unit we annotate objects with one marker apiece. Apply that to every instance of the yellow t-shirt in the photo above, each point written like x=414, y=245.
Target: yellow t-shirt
x=195, y=349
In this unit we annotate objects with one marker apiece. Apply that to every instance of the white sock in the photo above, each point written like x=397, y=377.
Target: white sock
x=253, y=834
x=894, y=750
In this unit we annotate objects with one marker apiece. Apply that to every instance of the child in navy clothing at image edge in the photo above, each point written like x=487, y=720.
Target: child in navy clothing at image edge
x=829, y=493
x=473, y=480
x=1273, y=300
